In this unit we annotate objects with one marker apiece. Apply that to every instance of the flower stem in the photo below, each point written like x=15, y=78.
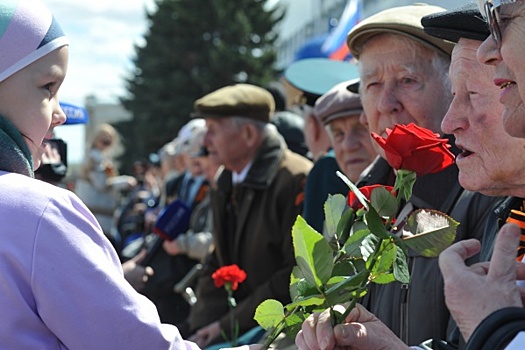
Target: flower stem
x=375, y=255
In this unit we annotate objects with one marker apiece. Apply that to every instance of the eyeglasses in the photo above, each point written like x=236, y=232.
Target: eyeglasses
x=492, y=12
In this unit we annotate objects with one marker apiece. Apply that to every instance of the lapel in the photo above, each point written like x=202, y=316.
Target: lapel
x=246, y=196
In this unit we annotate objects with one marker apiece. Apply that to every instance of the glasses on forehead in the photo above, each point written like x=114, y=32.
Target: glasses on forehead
x=491, y=9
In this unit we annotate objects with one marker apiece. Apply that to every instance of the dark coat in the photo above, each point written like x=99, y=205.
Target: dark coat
x=321, y=182
x=417, y=311
x=268, y=203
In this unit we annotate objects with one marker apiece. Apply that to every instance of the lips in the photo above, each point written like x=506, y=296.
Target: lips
x=464, y=152
x=504, y=83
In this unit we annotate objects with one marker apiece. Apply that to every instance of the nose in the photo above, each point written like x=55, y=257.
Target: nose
x=488, y=52
x=363, y=120
x=388, y=102
x=456, y=118
x=59, y=116
x=351, y=141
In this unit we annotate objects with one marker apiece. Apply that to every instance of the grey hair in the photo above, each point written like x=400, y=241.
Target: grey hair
x=439, y=61
x=238, y=122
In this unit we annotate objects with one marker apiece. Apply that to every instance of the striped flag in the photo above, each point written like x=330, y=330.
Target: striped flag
x=335, y=45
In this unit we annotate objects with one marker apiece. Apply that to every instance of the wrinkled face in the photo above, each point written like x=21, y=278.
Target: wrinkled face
x=224, y=142
x=352, y=145
x=29, y=100
x=491, y=161
x=509, y=74
x=400, y=84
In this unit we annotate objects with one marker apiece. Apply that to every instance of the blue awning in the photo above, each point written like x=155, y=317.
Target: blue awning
x=75, y=114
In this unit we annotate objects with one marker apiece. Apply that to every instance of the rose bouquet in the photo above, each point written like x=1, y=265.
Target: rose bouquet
x=367, y=236
x=229, y=277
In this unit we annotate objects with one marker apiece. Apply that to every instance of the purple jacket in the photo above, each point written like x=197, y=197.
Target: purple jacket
x=61, y=283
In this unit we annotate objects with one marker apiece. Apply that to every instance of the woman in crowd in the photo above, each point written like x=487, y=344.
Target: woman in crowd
x=98, y=184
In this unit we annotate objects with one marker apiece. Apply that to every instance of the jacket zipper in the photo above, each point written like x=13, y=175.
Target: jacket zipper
x=405, y=291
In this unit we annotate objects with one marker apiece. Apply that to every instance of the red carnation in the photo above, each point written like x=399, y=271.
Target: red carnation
x=417, y=149
x=355, y=204
x=231, y=274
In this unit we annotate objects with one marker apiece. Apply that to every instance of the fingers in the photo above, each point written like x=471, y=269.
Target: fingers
x=503, y=262
x=139, y=257
x=455, y=255
x=306, y=339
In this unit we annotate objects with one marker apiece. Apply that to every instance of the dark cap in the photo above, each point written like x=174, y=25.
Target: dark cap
x=463, y=22
x=315, y=76
x=338, y=102
x=291, y=126
x=240, y=100
x=402, y=20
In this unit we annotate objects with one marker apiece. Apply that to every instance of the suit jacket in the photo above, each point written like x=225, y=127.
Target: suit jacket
x=268, y=203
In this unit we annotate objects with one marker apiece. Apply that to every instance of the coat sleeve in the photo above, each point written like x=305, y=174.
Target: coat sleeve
x=79, y=289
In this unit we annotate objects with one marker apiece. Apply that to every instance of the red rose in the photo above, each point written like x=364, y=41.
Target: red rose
x=355, y=204
x=410, y=147
x=228, y=274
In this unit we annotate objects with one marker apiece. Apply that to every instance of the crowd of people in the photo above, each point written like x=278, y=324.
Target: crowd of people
x=127, y=262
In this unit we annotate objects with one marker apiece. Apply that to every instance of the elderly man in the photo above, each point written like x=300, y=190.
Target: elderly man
x=339, y=110
x=404, y=79
x=490, y=163
x=257, y=200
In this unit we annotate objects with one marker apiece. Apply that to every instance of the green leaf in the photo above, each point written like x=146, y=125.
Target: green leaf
x=312, y=300
x=384, y=202
x=294, y=322
x=358, y=232
x=401, y=272
x=384, y=278
x=375, y=224
x=384, y=259
x=368, y=247
x=361, y=197
x=269, y=313
x=405, y=180
x=429, y=232
x=345, y=224
x=302, y=289
x=313, y=253
x=333, y=209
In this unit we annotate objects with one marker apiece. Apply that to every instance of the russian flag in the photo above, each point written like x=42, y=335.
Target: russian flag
x=335, y=45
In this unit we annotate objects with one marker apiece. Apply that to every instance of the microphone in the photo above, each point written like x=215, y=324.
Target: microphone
x=173, y=220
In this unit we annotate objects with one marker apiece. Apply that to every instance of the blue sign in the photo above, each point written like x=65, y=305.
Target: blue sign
x=74, y=114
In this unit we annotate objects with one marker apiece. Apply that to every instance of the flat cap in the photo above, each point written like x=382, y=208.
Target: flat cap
x=338, y=102
x=315, y=76
x=403, y=20
x=463, y=22
x=239, y=100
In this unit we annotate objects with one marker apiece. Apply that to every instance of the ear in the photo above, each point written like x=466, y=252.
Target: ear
x=250, y=135
x=314, y=126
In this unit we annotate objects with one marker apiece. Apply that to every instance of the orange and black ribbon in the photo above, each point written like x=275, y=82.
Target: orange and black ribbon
x=518, y=218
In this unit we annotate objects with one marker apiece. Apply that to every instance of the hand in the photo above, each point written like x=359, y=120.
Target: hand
x=206, y=334
x=136, y=274
x=362, y=331
x=50, y=155
x=171, y=247
x=472, y=293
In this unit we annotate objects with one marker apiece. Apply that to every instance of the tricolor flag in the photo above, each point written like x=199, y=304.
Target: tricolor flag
x=335, y=45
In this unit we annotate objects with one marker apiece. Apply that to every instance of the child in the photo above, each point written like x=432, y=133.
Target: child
x=61, y=285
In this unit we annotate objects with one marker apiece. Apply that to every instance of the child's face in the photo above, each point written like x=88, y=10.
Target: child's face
x=29, y=100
